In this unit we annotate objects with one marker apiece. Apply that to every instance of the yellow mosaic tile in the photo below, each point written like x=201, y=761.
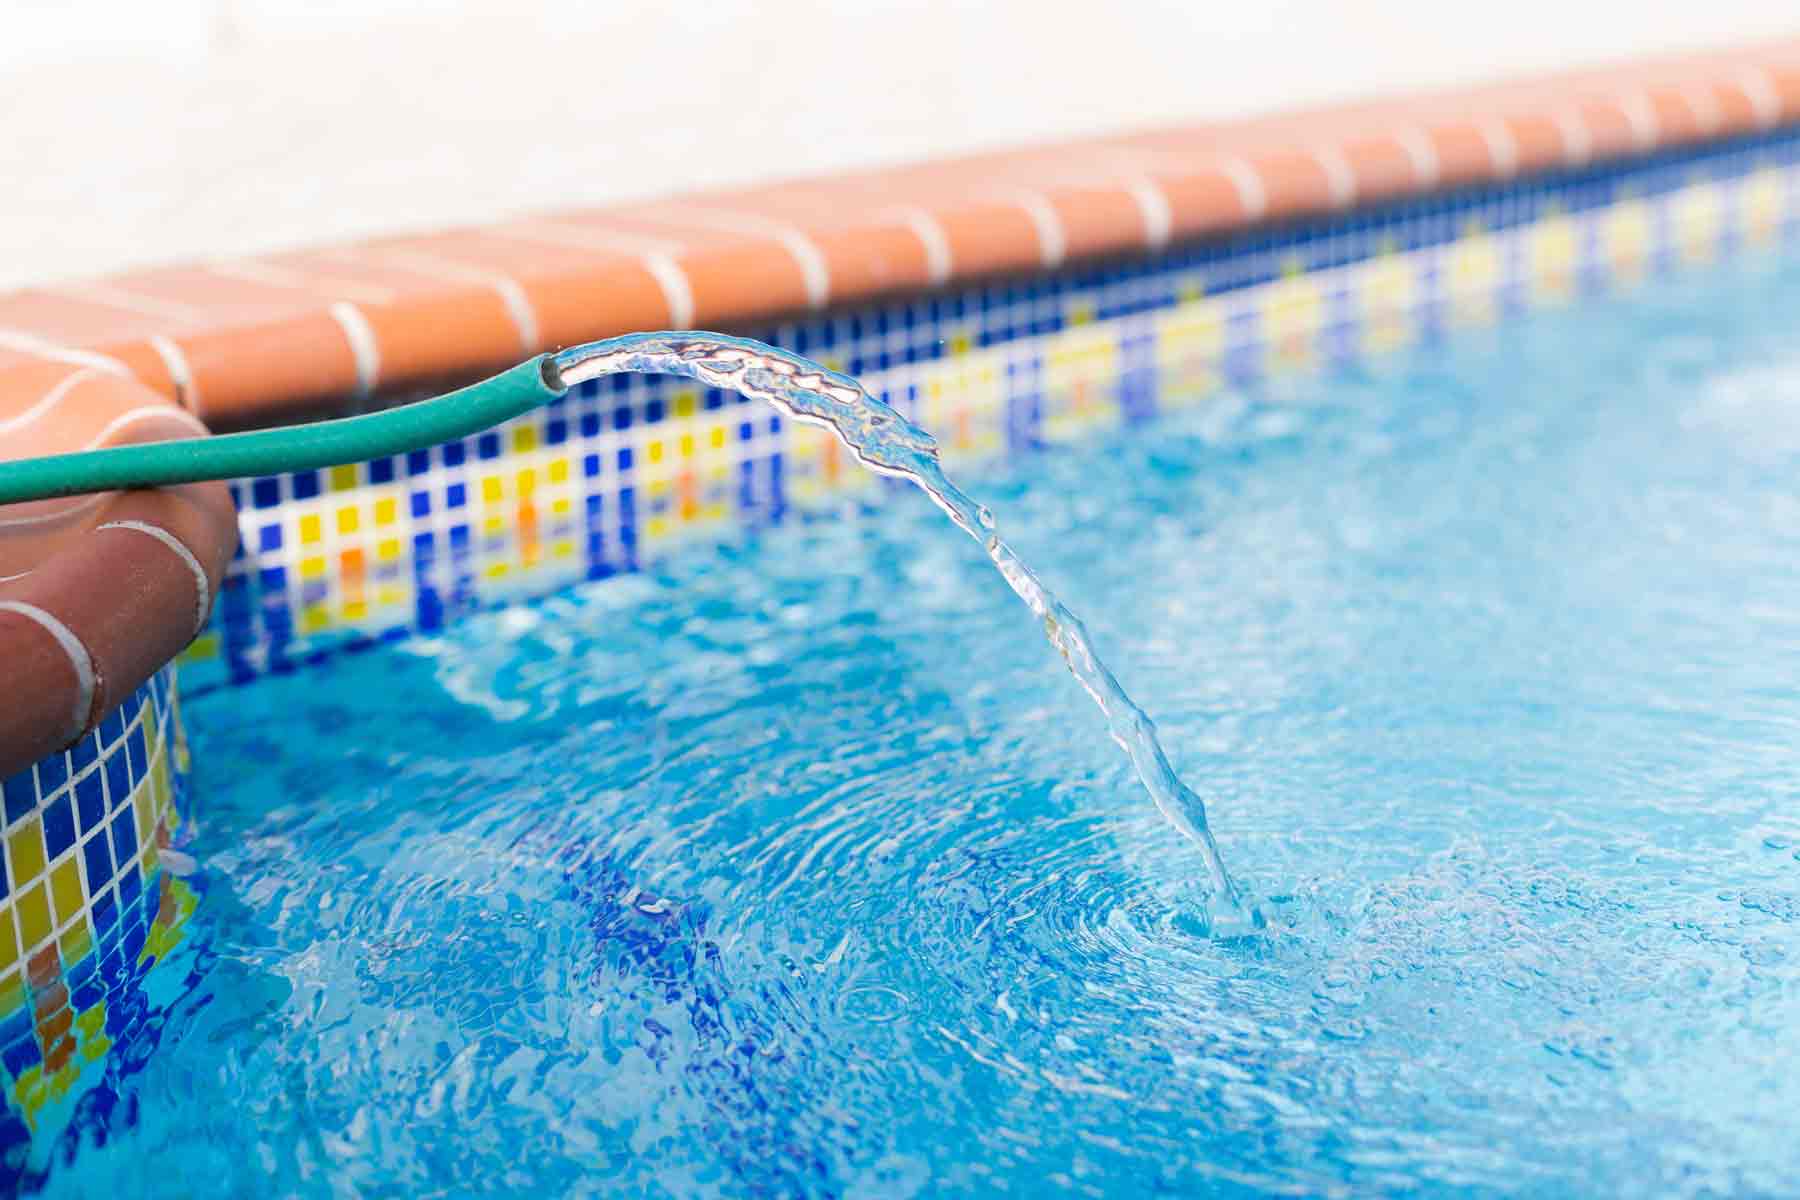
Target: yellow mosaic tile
x=1294, y=310
x=1697, y=214
x=34, y=918
x=140, y=808
x=204, y=648
x=65, y=888
x=9, y=939
x=1388, y=291
x=91, y=1020
x=12, y=993
x=1763, y=203
x=77, y=942
x=1474, y=274
x=1626, y=232
x=1555, y=248
x=26, y=848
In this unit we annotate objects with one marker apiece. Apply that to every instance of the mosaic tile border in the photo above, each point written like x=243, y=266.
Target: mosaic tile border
x=85, y=904
x=295, y=334
x=616, y=475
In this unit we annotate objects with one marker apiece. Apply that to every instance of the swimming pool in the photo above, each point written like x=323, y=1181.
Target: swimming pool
x=798, y=867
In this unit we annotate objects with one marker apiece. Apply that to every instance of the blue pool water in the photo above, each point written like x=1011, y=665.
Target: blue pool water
x=802, y=868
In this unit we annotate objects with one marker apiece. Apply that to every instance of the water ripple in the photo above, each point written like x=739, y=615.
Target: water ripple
x=793, y=870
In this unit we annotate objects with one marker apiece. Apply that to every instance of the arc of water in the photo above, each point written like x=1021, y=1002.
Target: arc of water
x=886, y=442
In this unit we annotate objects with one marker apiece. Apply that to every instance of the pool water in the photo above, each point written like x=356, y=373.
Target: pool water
x=801, y=867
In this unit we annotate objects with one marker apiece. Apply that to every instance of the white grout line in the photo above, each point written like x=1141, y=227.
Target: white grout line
x=79, y=659
x=800, y=247
x=363, y=346
x=1053, y=242
x=583, y=237
x=658, y=256
x=69, y=510
x=175, y=362
x=1760, y=91
x=1340, y=177
x=37, y=347
x=147, y=412
x=434, y=266
x=1502, y=146
x=50, y=400
x=202, y=589
x=1153, y=205
x=939, y=262
x=678, y=292
x=269, y=275
x=107, y=296
x=1422, y=153
x=1704, y=104
x=1641, y=113
x=1253, y=197
x=1577, y=139
x=519, y=309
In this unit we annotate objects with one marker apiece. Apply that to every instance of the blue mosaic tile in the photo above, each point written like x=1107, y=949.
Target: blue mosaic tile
x=118, y=778
x=90, y=800
x=130, y=885
x=15, y=1025
x=59, y=827
x=20, y=1056
x=104, y=913
x=83, y=754
x=124, y=837
x=21, y=794
x=52, y=773
x=96, y=858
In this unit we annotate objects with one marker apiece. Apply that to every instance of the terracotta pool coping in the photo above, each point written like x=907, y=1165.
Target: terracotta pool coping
x=94, y=595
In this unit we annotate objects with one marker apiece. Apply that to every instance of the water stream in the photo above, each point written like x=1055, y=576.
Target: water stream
x=886, y=442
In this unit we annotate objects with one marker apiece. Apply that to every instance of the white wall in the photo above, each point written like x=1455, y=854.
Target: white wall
x=139, y=132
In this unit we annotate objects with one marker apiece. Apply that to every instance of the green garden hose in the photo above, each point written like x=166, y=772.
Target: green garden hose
x=296, y=448
x=798, y=387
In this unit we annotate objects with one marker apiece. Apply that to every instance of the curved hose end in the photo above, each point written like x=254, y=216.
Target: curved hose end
x=551, y=374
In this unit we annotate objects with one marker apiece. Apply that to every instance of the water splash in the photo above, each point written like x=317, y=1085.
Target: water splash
x=887, y=443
